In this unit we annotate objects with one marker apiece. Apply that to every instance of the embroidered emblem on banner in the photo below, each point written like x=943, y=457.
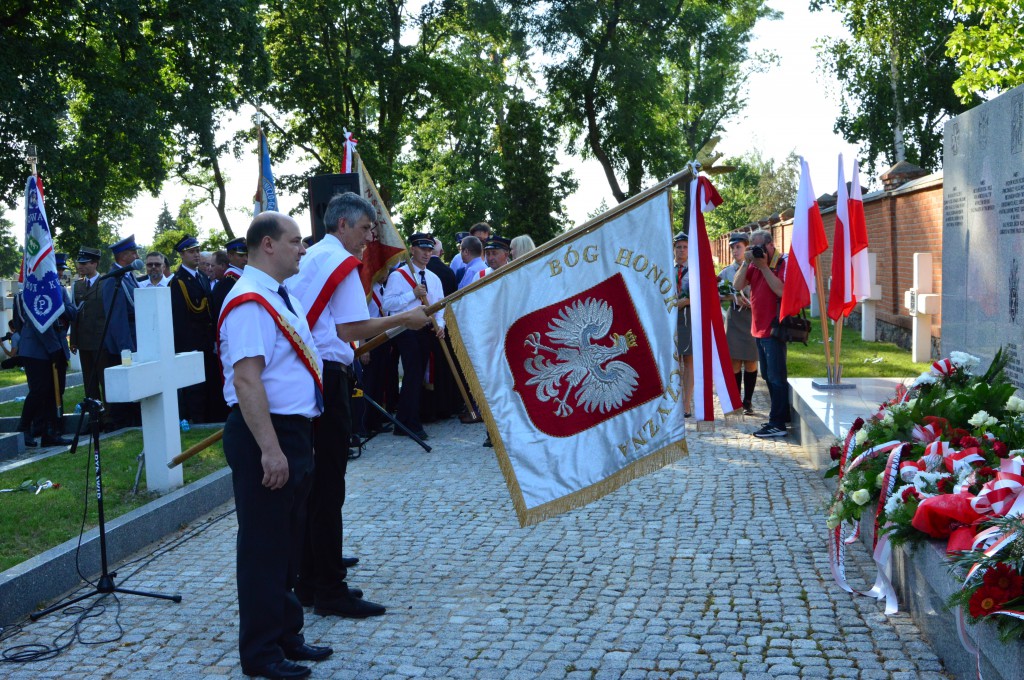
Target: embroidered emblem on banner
x=581, y=361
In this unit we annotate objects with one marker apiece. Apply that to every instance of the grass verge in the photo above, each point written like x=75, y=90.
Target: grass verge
x=860, y=359
x=11, y=376
x=72, y=397
x=32, y=523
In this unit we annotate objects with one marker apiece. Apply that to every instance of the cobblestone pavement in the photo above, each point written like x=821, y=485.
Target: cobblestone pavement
x=714, y=567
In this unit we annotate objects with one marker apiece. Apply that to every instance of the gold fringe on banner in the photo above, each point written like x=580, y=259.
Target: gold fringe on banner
x=530, y=516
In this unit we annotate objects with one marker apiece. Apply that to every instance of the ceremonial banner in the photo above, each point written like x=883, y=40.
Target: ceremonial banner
x=807, y=243
x=42, y=291
x=387, y=246
x=712, y=366
x=569, y=352
x=266, y=195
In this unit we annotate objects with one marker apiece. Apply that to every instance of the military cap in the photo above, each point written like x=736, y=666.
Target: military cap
x=127, y=243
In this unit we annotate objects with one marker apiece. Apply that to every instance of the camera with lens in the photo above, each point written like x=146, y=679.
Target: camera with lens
x=6, y=337
x=758, y=252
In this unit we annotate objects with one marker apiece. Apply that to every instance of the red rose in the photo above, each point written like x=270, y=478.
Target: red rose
x=956, y=434
x=985, y=601
x=908, y=493
x=987, y=472
x=835, y=453
x=967, y=442
x=944, y=485
x=857, y=424
x=1005, y=578
x=1001, y=449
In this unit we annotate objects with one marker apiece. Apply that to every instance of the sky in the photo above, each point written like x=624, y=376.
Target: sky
x=790, y=108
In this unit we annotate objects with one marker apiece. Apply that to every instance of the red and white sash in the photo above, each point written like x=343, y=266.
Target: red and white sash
x=320, y=273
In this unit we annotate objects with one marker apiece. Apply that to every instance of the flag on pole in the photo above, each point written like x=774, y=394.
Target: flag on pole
x=574, y=368
x=386, y=246
x=350, y=152
x=712, y=366
x=841, y=297
x=808, y=241
x=44, y=301
x=266, y=195
x=859, y=239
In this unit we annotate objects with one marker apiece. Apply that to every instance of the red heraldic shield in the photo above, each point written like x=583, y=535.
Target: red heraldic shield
x=581, y=361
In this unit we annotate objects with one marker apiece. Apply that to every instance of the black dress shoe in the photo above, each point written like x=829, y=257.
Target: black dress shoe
x=306, y=652
x=306, y=597
x=348, y=562
x=30, y=441
x=349, y=608
x=278, y=669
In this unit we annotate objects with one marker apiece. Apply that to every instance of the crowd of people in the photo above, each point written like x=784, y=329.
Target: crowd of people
x=277, y=319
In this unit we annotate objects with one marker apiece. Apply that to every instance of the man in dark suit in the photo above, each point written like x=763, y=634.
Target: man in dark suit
x=119, y=305
x=194, y=331
x=237, y=256
x=87, y=328
x=449, y=284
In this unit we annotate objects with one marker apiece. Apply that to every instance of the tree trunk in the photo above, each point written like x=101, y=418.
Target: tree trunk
x=222, y=195
x=897, y=105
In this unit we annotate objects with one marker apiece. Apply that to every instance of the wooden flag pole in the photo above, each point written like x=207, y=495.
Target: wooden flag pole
x=837, y=334
x=824, y=323
x=196, y=448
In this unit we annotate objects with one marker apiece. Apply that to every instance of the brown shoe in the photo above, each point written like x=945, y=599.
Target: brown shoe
x=470, y=418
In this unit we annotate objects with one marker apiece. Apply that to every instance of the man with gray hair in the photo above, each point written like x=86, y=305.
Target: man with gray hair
x=331, y=292
x=764, y=269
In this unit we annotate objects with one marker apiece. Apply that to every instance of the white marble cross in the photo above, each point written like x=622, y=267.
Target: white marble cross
x=153, y=379
x=867, y=305
x=921, y=303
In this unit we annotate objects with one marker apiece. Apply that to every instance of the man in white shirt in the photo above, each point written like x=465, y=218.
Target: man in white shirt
x=331, y=292
x=154, y=271
x=272, y=381
x=412, y=285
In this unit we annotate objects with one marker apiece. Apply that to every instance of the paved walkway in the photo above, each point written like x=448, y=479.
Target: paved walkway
x=714, y=567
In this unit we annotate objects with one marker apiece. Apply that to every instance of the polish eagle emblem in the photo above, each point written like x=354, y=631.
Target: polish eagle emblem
x=577, y=366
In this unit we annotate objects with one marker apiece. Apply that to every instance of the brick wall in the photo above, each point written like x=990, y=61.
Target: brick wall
x=900, y=223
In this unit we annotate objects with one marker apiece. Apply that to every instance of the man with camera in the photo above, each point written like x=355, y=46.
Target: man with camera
x=764, y=270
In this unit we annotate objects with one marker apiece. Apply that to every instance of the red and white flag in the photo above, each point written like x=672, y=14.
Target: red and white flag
x=350, y=152
x=841, y=297
x=808, y=241
x=859, y=239
x=712, y=366
x=386, y=246
x=573, y=367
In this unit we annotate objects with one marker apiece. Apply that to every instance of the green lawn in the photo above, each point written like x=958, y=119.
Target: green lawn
x=72, y=396
x=859, y=359
x=11, y=376
x=32, y=523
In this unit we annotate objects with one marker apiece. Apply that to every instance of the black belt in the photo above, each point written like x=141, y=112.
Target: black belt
x=344, y=369
x=286, y=417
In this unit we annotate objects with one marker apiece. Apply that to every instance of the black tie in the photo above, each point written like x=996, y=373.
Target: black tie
x=423, y=278
x=284, y=296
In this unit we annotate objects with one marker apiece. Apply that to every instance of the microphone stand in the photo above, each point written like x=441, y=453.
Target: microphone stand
x=358, y=372
x=106, y=584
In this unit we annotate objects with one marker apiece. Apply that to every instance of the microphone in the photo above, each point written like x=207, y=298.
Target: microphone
x=135, y=266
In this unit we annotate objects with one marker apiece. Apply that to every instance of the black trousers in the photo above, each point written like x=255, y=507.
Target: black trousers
x=378, y=376
x=118, y=414
x=39, y=412
x=90, y=366
x=321, y=569
x=413, y=347
x=270, y=530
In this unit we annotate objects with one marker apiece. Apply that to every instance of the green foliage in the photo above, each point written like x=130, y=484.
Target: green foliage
x=642, y=86
x=991, y=53
x=896, y=80
x=164, y=221
x=758, y=188
x=10, y=250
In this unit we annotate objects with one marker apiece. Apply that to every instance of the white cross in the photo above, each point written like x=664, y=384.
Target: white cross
x=867, y=305
x=153, y=379
x=922, y=303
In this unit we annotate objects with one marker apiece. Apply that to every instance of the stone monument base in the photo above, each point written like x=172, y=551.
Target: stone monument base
x=920, y=575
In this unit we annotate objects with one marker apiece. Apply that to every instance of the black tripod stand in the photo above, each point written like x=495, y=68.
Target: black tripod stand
x=93, y=410
x=105, y=584
x=358, y=372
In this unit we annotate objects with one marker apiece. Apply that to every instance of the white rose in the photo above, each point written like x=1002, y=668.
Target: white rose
x=880, y=479
x=887, y=419
x=832, y=522
x=861, y=436
x=1015, y=404
x=861, y=496
x=978, y=419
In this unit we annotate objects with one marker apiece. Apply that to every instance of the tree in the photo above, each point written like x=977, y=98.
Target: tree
x=10, y=250
x=990, y=54
x=896, y=79
x=758, y=188
x=164, y=221
x=641, y=86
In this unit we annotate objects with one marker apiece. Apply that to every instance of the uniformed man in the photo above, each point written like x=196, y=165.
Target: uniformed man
x=87, y=328
x=44, y=356
x=194, y=331
x=237, y=255
x=497, y=253
x=119, y=305
x=409, y=286
x=272, y=381
x=331, y=292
